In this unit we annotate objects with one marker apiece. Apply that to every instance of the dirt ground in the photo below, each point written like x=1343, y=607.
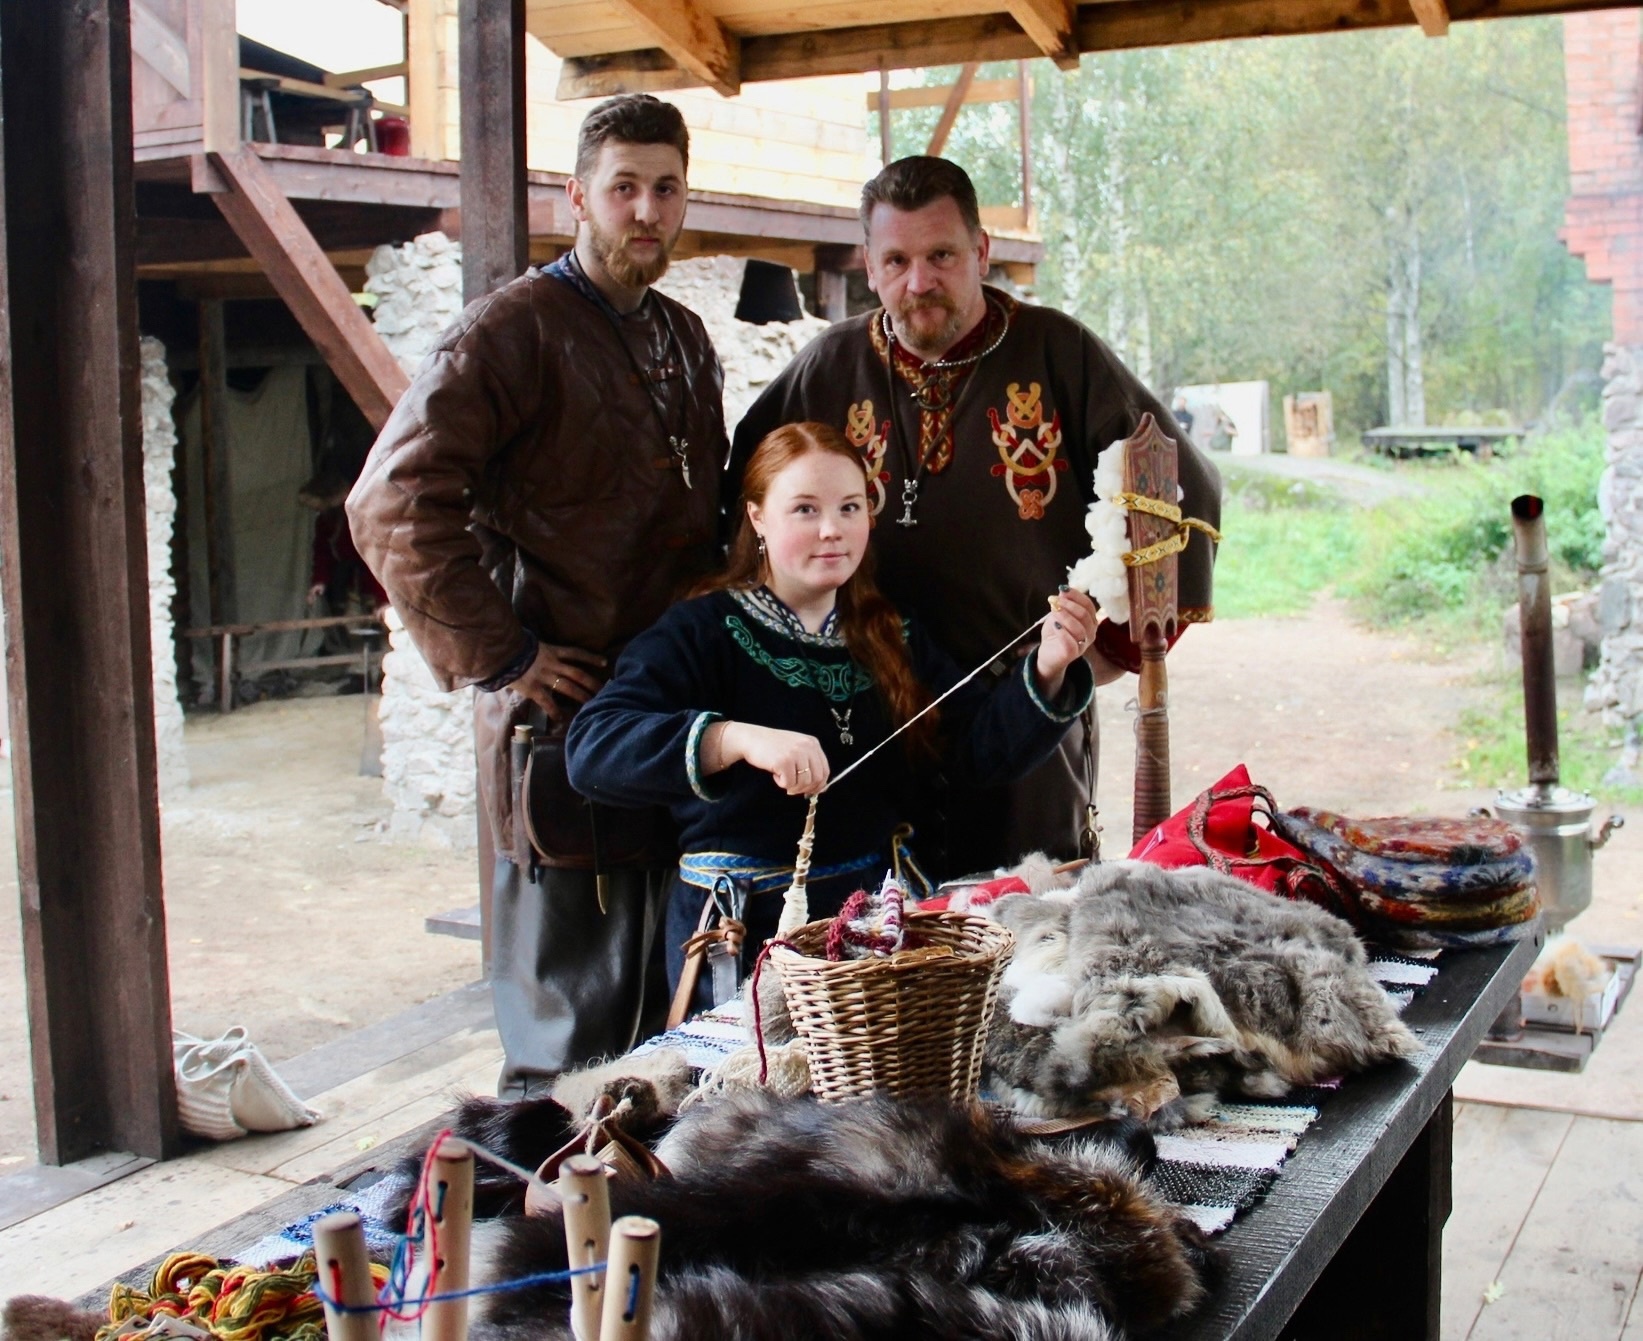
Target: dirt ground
x=289, y=911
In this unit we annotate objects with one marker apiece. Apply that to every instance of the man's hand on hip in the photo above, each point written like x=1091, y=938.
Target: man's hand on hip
x=560, y=676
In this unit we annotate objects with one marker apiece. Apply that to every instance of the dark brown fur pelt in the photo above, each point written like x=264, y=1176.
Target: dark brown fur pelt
x=1140, y=976
x=36, y=1317
x=527, y=1131
x=878, y=1219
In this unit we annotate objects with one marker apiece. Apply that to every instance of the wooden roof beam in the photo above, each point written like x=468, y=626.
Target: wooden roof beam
x=936, y=95
x=1116, y=25
x=1053, y=26
x=695, y=40
x=1432, y=15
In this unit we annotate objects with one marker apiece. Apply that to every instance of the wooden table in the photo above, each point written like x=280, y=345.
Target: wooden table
x=1406, y=442
x=1349, y=1242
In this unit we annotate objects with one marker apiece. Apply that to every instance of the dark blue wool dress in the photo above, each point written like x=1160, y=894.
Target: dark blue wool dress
x=745, y=656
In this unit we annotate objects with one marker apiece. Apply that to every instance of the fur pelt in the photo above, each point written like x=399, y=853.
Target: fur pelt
x=527, y=1131
x=36, y=1317
x=794, y=1220
x=1144, y=975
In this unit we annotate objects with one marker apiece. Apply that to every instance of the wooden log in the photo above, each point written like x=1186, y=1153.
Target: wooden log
x=495, y=232
x=585, y=1192
x=345, y=1275
x=630, y=1281
x=452, y=1217
x=74, y=579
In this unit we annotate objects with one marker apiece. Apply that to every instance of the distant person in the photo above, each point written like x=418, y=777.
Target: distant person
x=1183, y=415
x=1224, y=433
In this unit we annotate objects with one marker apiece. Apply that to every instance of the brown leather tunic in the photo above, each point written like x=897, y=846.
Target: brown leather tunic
x=525, y=481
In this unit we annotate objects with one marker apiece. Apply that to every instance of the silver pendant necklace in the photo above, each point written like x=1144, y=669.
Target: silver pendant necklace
x=842, y=721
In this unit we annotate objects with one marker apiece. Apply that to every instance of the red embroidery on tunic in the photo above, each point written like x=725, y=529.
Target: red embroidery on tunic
x=871, y=440
x=1028, y=449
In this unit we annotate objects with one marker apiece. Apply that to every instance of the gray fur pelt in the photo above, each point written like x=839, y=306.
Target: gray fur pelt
x=1138, y=976
x=879, y=1220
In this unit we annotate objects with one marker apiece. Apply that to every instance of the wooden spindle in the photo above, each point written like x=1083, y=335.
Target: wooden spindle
x=345, y=1276
x=630, y=1282
x=452, y=1216
x=584, y=1188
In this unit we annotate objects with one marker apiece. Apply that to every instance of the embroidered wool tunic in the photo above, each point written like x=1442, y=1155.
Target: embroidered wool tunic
x=1009, y=461
x=745, y=656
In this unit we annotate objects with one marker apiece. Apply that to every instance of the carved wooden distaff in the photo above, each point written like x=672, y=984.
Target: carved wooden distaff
x=1151, y=478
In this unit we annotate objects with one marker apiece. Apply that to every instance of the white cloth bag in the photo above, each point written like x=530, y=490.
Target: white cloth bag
x=227, y=1088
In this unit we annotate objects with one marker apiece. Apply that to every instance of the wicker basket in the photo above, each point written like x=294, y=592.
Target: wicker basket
x=912, y=1023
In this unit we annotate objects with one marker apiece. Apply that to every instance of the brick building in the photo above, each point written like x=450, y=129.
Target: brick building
x=1603, y=225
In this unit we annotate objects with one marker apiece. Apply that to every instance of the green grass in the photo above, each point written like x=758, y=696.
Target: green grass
x=1283, y=542
x=1444, y=559
x=1493, y=752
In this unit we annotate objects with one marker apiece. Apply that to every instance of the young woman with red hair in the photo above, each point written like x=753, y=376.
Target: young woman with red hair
x=742, y=702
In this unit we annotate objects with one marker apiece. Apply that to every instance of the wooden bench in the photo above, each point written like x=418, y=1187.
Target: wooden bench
x=1407, y=442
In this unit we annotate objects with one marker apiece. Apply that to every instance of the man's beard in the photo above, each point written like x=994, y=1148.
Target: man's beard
x=937, y=344
x=612, y=253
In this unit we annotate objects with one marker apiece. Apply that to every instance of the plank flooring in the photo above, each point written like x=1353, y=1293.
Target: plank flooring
x=1549, y=1219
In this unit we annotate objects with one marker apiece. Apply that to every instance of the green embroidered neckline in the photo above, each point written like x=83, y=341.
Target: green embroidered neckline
x=838, y=681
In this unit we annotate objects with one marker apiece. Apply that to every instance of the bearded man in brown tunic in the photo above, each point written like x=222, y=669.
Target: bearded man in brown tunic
x=542, y=492
x=979, y=419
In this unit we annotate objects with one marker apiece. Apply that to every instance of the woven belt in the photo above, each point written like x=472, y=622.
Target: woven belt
x=761, y=877
x=702, y=869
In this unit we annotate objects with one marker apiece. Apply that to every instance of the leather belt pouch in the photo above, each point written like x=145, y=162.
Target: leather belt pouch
x=567, y=831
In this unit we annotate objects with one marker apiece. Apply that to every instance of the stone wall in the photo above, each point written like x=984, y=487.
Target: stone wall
x=427, y=748
x=1616, y=689
x=427, y=735
x=159, y=455
x=752, y=355
x=418, y=288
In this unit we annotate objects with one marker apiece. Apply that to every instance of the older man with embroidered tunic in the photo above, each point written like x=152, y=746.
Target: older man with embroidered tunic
x=542, y=492
x=979, y=419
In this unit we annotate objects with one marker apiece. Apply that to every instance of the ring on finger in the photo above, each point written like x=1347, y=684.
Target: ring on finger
x=554, y=687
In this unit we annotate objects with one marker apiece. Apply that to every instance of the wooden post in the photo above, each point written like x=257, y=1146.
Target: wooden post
x=74, y=579
x=586, y=1196
x=491, y=55
x=884, y=115
x=1025, y=94
x=453, y=1214
x=216, y=486
x=630, y=1280
x=345, y=1276
x=832, y=294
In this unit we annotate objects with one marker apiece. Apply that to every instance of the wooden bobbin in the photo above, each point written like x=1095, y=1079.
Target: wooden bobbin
x=630, y=1281
x=584, y=1188
x=345, y=1275
x=451, y=1185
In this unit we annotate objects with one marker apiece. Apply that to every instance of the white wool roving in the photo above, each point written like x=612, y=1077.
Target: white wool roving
x=1101, y=573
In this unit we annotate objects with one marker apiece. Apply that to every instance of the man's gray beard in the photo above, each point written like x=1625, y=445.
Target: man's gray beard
x=943, y=340
x=612, y=254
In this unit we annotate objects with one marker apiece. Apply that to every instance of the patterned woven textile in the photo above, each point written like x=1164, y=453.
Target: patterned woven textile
x=1480, y=892
x=1454, y=842
x=1217, y=1169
